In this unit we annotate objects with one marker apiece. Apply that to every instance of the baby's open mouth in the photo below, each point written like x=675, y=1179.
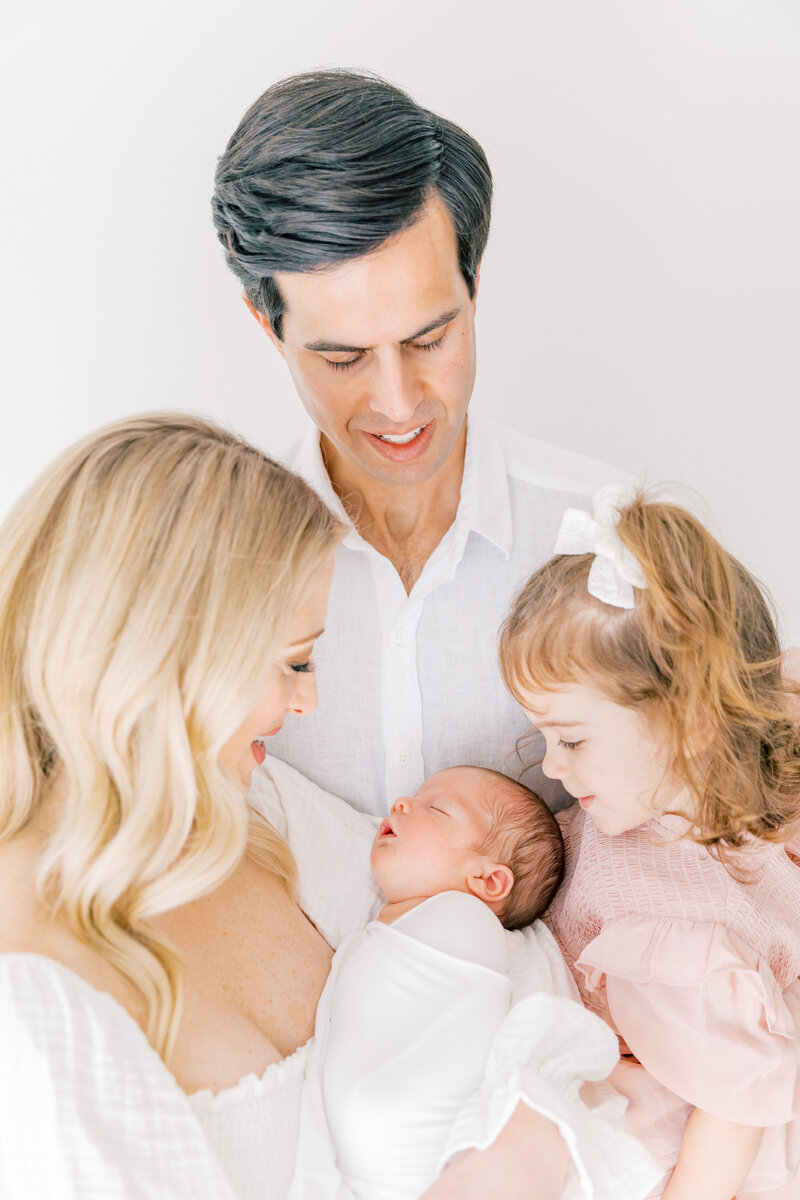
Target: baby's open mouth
x=385, y=828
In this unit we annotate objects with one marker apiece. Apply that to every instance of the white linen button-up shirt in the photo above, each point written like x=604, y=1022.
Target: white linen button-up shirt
x=410, y=683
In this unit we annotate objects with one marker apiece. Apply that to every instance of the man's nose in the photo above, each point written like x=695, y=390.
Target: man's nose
x=395, y=394
x=305, y=697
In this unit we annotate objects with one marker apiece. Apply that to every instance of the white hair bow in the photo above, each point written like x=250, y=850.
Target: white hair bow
x=615, y=571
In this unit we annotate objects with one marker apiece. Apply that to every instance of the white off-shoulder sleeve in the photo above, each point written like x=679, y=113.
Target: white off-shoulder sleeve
x=88, y=1111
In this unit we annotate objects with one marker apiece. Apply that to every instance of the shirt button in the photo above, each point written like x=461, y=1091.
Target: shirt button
x=398, y=636
x=402, y=758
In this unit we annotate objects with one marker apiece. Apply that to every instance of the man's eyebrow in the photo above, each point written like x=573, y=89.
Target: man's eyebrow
x=443, y=319
x=321, y=346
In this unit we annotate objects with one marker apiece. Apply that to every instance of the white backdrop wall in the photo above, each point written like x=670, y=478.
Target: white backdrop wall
x=640, y=297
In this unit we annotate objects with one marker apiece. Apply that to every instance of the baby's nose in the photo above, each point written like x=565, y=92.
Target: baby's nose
x=401, y=805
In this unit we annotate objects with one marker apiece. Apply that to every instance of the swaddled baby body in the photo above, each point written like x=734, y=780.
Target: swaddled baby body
x=415, y=1001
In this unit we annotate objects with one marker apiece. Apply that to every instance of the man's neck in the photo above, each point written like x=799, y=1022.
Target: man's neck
x=404, y=522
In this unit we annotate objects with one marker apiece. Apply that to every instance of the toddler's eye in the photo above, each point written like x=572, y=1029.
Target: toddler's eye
x=568, y=745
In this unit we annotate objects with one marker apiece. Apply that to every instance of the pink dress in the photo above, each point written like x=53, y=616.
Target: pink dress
x=698, y=975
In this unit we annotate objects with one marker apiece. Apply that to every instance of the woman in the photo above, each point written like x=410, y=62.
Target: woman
x=161, y=589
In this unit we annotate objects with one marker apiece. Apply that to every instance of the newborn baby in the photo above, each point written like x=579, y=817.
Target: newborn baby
x=473, y=831
x=414, y=1001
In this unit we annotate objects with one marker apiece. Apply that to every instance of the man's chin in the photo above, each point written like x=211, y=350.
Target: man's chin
x=383, y=463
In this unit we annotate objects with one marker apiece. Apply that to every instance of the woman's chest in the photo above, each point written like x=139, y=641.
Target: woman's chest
x=254, y=968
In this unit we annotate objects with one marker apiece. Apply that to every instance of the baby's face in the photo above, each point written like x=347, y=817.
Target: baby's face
x=428, y=843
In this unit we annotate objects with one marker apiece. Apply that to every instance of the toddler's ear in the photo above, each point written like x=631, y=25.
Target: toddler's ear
x=493, y=883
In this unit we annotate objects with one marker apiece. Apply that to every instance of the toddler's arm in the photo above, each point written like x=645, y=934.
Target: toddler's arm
x=715, y=1159
x=528, y=1158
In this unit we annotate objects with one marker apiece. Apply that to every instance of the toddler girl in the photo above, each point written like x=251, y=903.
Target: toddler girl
x=647, y=657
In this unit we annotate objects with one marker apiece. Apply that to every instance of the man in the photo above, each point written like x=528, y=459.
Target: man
x=356, y=222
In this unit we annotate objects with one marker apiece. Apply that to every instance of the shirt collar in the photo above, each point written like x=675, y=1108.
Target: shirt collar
x=484, y=505
x=307, y=462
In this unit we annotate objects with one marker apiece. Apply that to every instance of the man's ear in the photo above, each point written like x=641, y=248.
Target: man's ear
x=264, y=322
x=493, y=883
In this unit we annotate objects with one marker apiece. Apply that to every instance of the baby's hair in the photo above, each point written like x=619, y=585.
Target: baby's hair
x=698, y=655
x=524, y=836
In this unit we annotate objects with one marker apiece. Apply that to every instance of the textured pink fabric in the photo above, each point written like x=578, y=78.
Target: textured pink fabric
x=697, y=971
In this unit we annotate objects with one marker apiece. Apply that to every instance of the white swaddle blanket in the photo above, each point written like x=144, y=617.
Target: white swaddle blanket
x=405, y=1028
x=419, y=1054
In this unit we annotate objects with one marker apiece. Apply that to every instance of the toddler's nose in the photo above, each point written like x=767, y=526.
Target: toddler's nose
x=552, y=766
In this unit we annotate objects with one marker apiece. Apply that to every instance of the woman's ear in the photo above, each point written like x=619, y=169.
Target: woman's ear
x=492, y=884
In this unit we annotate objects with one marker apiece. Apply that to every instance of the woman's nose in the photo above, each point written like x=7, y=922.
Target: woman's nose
x=305, y=698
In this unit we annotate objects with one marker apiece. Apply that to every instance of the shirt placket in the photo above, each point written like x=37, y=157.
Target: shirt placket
x=401, y=699
x=401, y=695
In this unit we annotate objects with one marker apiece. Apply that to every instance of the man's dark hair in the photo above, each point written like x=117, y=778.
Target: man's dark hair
x=326, y=166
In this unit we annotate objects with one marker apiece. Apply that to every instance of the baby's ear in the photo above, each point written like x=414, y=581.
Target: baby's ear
x=493, y=883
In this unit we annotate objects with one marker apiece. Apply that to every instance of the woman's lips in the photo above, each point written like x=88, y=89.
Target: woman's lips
x=259, y=752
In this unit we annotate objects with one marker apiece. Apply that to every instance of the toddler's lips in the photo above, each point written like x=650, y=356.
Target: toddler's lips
x=585, y=801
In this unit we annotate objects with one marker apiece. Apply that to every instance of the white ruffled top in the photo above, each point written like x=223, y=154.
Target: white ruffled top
x=252, y=1127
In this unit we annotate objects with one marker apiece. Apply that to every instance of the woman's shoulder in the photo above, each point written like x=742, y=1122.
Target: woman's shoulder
x=42, y=998
x=82, y=1091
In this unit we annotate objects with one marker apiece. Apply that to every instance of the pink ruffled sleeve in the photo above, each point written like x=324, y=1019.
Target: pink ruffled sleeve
x=703, y=1014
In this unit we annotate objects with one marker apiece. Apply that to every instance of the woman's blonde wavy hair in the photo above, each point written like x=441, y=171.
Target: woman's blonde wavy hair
x=145, y=581
x=698, y=655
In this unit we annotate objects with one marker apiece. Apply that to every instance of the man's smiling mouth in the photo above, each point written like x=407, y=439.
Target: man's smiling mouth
x=399, y=439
